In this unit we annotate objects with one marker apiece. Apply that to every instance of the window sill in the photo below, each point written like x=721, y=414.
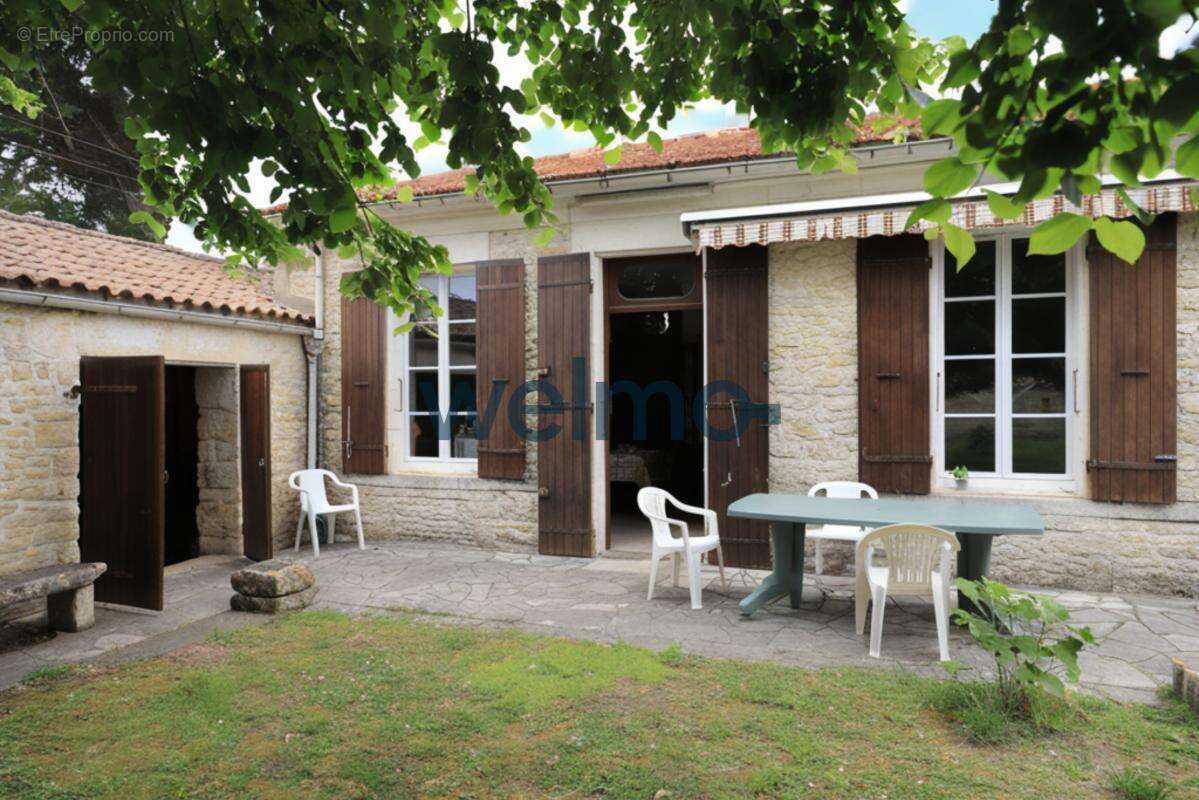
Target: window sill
x=1004, y=487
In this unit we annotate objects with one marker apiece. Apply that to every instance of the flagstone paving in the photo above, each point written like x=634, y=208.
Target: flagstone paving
x=604, y=599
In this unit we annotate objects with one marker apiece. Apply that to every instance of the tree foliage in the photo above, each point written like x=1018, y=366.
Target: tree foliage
x=314, y=93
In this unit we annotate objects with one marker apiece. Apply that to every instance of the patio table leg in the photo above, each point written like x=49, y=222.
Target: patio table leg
x=787, y=577
x=974, y=561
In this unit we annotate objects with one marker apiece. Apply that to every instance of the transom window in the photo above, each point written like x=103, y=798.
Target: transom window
x=440, y=406
x=1005, y=362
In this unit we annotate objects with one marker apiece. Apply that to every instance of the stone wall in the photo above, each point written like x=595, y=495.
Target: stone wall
x=218, y=514
x=39, y=419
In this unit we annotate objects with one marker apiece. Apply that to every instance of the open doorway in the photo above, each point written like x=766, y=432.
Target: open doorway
x=181, y=533
x=654, y=373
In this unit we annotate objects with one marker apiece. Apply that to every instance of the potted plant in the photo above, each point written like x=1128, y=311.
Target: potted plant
x=961, y=476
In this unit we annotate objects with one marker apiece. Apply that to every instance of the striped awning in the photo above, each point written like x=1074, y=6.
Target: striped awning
x=886, y=219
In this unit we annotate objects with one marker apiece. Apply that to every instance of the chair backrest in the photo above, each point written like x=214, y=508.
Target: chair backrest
x=843, y=489
x=912, y=553
x=652, y=502
x=312, y=483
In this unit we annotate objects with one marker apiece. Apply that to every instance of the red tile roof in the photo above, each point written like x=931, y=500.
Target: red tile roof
x=724, y=146
x=55, y=255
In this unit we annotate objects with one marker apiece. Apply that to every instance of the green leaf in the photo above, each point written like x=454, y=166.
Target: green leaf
x=941, y=117
x=1002, y=206
x=960, y=243
x=612, y=157
x=1058, y=234
x=935, y=210
x=1123, y=238
x=404, y=194
x=71, y=5
x=948, y=177
x=343, y=219
x=655, y=141
x=147, y=219
x=1186, y=159
x=543, y=237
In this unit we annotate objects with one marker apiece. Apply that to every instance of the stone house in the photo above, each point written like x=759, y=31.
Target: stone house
x=713, y=288
x=151, y=407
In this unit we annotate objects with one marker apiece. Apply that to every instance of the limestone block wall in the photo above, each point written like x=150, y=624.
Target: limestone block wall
x=218, y=513
x=418, y=503
x=39, y=419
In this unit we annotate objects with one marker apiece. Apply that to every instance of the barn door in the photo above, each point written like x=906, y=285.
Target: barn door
x=257, y=542
x=122, y=471
x=738, y=429
x=363, y=343
x=564, y=454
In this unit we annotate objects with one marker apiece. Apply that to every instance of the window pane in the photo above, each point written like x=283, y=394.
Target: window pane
x=462, y=391
x=462, y=344
x=430, y=282
x=673, y=277
x=1036, y=274
x=422, y=346
x=970, y=386
x=1039, y=445
x=1039, y=326
x=970, y=328
x=1038, y=385
x=976, y=278
x=423, y=433
x=423, y=386
x=462, y=297
x=463, y=443
x=970, y=443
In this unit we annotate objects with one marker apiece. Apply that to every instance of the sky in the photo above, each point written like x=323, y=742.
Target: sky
x=933, y=18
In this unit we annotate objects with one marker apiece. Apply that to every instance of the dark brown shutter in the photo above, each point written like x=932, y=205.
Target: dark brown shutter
x=123, y=461
x=1134, y=371
x=257, y=536
x=738, y=465
x=893, y=393
x=564, y=460
x=501, y=363
x=363, y=393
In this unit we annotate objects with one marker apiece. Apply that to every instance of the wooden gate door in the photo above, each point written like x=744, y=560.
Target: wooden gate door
x=564, y=458
x=363, y=427
x=257, y=542
x=738, y=427
x=122, y=469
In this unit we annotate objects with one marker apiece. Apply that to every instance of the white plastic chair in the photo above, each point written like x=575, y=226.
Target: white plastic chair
x=310, y=483
x=842, y=533
x=652, y=502
x=917, y=565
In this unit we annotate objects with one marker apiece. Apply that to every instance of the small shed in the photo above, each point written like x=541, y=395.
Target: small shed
x=152, y=406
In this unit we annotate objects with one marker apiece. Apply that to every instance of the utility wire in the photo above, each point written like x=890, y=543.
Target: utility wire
x=97, y=184
x=67, y=159
x=68, y=137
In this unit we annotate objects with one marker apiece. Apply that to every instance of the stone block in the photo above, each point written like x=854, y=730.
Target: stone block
x=273, y=605
x=72, y=611
x=272, y=579
x=1186, y=684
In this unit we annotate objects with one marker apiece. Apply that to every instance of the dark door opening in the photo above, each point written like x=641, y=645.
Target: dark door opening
x=181, y=534
x=652, y=438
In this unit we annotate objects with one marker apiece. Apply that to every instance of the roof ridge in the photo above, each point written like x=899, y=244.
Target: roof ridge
x=33, y=219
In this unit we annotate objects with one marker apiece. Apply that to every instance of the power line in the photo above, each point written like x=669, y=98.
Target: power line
x=69, y=137
x=98, y=184
x=67, y=159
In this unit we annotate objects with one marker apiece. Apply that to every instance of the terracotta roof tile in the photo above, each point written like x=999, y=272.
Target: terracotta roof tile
x=56, y=255
x=697, y=149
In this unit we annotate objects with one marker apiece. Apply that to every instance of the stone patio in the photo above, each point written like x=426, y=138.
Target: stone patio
x=604, y=599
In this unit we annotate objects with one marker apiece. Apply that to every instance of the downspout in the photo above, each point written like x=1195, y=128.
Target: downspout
x=312, y=350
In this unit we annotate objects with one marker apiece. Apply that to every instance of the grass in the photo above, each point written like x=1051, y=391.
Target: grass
x=1133, y=783
x=319, y=704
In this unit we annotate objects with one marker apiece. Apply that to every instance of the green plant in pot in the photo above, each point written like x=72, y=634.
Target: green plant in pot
x=961, y=476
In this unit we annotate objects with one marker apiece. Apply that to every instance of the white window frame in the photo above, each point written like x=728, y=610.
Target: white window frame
x=402, y=413
x=1003, y=479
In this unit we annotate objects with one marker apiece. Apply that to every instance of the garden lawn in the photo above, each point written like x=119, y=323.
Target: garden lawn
x=325, y=705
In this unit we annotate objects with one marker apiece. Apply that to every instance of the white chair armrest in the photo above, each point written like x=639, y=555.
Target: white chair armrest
x=291, y=480
x=682, y=526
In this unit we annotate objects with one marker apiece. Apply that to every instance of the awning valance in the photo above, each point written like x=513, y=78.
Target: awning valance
x=884, y=215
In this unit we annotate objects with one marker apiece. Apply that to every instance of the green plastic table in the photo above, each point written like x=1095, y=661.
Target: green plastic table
x=974, y=523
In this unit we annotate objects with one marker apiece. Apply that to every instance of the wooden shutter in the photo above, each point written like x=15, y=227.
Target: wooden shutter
x=257, y=538
x=1134, y=371
x=736, y=298
x=564, y=460
x=893, y=376
x=501, y=362
x=122, y=471
x=363, y=393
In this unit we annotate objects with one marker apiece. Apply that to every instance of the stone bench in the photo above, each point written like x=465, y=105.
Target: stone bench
x=68, y=589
